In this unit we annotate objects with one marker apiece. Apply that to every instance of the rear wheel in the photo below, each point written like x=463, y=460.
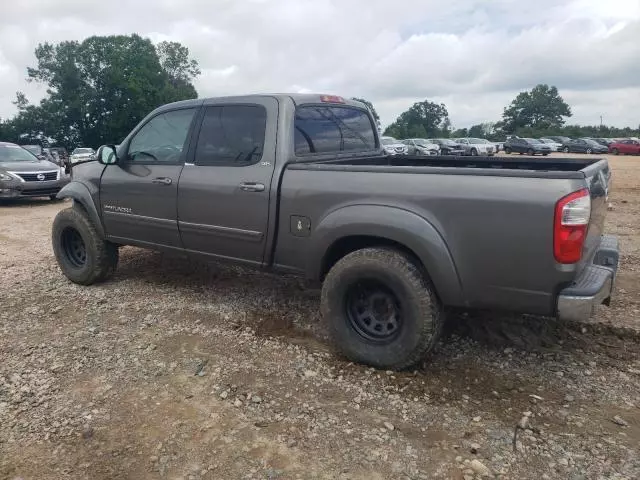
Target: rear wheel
x=589, y=151
x=380, y=308
x=530, y=152
x=615, y=151
x=83, y=256
x=507, y=150
x=474, y=152
x=565, y=149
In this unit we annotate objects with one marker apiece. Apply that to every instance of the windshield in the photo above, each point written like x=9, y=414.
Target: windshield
x=547, y=140
x=14, y=153
x=446, y=141
x=590, y=141
x=533, y=140
x=82, y=150
x=35, y=149
x=422, y=141
x=388, y=140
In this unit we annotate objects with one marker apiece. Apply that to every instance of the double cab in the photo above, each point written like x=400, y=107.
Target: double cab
x=300, y=184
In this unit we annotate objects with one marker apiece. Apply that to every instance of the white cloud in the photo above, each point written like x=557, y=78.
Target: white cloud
x=472, y=55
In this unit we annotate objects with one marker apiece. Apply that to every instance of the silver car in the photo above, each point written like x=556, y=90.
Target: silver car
x=392, y=146
x=421, y=146
x=477, y=146
x=22, y=174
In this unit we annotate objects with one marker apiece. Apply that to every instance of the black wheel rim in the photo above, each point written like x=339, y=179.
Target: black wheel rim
x=374, y=311
x=73, y=247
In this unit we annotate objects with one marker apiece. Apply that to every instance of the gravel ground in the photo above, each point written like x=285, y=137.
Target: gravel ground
x=180, y=370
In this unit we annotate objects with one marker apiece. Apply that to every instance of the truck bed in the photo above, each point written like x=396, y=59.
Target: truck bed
x=496, y=166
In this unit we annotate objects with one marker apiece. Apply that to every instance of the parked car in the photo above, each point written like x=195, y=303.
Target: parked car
x=564, y=141
x=476, y=146
x=629, y=147
x=82, y=154
x=448, y=146
x=555, y=146
x=23, y=174
x=421, y=146
x=392, y=243
x=530, y=146
x=62, y=152
x=585, y=145
x=393, y=147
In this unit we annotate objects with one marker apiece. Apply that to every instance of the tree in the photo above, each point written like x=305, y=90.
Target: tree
x=422, y=119
x=541, y=108
x=370, y=106
x=100, y=88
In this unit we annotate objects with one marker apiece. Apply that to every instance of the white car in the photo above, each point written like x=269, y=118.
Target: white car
x=392, y=146
x=555, y=146
x=477, y=146
x=82, y=154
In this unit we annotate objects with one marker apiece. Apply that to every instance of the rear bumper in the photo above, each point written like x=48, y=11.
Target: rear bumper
x=594, y=285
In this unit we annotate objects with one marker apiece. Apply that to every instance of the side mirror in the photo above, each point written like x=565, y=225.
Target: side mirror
x=107, y=155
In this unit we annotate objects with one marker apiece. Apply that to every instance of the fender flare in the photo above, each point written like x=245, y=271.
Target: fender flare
x=398, y=225
x=80, y=193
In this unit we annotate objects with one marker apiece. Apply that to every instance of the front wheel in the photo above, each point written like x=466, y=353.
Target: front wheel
x=565, y=149
x=589, y=151
x=615, y=151
x=507, y=150
x=83, y=256
x=474, y=152
x=530, y=152
x=380, y=308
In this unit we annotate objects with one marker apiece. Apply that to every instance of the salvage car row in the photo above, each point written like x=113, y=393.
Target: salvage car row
x=529, y=146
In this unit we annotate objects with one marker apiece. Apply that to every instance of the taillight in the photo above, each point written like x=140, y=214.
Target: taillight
x=570, y=226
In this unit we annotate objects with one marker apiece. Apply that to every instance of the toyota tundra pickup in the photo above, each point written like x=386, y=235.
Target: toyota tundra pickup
x=300, y=184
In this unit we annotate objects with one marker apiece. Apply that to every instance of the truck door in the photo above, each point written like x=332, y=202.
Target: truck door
x=138, y=195
x=224, y=190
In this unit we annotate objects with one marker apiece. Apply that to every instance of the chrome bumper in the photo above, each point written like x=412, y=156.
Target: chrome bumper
x=594, y=285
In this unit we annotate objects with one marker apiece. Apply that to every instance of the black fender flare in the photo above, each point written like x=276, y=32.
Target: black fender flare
x=398, y=225
x=80, y=193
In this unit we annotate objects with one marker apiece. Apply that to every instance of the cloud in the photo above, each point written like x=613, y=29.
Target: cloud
x=472, y=55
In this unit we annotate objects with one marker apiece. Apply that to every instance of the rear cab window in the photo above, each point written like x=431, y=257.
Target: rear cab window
x=321, y=129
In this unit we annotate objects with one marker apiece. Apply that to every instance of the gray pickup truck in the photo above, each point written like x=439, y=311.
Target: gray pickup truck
x=299, y=184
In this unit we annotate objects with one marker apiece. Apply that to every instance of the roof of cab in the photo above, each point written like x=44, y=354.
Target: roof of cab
x=297, y=98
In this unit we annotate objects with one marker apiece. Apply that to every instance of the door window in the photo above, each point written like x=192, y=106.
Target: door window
x=231, y=135
x=162, y=139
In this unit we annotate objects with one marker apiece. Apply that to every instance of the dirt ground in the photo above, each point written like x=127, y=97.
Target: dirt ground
x=178, y=370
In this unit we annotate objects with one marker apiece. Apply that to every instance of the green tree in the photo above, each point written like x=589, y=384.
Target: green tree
x=100, y=88
x=541, y=108
x=370, y=106
x=422, y=119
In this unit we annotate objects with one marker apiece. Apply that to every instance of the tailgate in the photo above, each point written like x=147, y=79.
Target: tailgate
x=598, y=176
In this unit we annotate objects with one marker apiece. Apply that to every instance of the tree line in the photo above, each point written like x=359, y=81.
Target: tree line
x=536, y=113
x=100, y=88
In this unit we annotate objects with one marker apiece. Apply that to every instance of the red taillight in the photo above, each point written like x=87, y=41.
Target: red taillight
x=331, y=99
x=570, y=226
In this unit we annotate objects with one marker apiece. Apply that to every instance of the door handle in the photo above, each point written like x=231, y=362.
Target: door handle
x=162, y=180
x=252, y=187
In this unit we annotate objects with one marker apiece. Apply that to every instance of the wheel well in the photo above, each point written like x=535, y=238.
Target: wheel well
x=346, y=245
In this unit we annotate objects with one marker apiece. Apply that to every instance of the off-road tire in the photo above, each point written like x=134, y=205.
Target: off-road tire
x=101, y=255
x=422, y=314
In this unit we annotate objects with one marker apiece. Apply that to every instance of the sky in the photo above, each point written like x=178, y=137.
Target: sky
x=472, y=55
